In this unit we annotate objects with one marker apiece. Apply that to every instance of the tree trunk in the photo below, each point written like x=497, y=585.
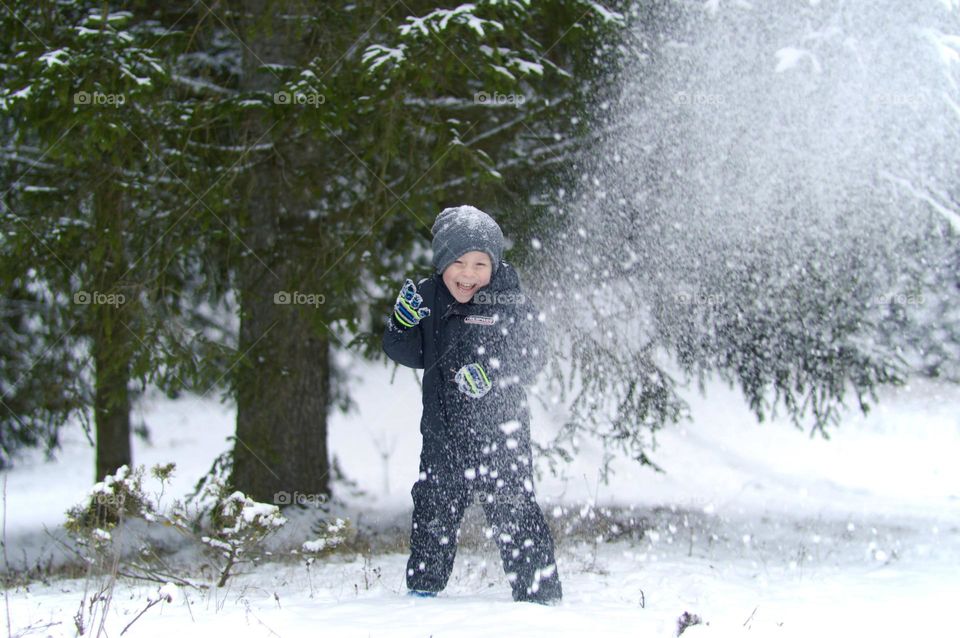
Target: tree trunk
x=282, y=398
x=112, y=340
x=283, y=387
x=111, y=405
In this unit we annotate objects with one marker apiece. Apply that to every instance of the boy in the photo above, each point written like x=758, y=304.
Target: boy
x=478, y=341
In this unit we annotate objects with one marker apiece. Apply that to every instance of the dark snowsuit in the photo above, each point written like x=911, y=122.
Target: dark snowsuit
x=476, y=449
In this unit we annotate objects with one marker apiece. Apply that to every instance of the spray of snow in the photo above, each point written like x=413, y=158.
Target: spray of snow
x=807, y=133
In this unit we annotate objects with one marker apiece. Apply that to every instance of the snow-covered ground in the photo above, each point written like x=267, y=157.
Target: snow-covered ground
x=756, y=529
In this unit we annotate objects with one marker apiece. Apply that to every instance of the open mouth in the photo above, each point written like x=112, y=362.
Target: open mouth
x=466, y=288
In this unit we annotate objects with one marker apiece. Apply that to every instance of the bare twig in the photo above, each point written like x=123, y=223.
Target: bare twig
x=112, y=578
x=36, y=628
x=143, y=572
x=142, y=612
x=249, y=611
x=6, y=563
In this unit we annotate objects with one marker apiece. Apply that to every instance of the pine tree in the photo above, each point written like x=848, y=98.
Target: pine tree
x=96, y=226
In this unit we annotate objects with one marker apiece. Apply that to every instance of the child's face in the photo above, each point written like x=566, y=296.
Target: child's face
x=468, y=274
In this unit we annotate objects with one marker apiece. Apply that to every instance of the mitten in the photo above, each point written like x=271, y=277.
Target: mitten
x=472, y=380
x=407, y=310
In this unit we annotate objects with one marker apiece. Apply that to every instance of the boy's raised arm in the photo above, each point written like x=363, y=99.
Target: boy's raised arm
x=402, y=337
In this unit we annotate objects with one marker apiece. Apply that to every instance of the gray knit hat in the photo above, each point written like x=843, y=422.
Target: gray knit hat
x=459, y=230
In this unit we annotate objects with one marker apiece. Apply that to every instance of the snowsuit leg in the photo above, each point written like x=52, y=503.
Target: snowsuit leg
x=526, y=547
x=522, y=536
x=440, y=498
x=505, y=489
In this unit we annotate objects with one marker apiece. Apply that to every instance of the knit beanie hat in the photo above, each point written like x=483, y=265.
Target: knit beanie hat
x=462, y=229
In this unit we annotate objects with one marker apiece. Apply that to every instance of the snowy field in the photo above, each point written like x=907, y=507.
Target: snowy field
x=756, y=529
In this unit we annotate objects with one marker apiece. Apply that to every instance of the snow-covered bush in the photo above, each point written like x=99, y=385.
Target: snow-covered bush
x=99, y=525
x=239, y=525
x=331, y=536
x=119, y=496
x=227, y=525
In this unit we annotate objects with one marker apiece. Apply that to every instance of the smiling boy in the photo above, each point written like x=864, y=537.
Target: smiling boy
x=479, y=341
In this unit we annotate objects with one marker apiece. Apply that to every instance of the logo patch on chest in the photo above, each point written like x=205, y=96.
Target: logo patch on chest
x=481, y=320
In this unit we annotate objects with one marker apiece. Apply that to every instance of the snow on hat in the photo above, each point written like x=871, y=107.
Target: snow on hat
x=462, y=229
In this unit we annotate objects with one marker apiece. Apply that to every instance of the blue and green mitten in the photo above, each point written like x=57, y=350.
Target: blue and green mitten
x=472, y=380
x=407, y=310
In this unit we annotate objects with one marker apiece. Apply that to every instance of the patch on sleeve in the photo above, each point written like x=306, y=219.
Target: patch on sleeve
x=481, y=320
